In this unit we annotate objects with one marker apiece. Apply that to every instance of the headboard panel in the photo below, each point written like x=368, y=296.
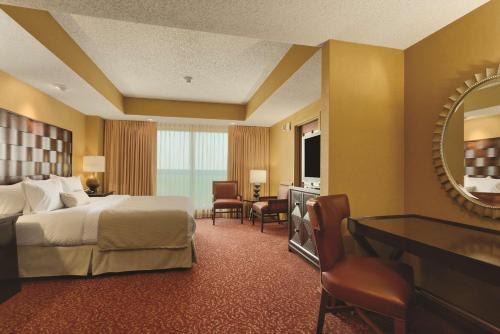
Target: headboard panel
x=32, y=148
x=482, y=158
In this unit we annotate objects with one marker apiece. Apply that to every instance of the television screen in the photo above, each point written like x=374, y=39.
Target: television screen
x=312, y=156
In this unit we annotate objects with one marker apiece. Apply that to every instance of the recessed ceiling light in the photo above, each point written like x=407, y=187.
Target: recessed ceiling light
x=149, y=119
x=188, y=79
x=232, y=123
x=60, y=87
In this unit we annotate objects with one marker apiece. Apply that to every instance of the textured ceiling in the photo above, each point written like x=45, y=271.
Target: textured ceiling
x=23, y=57
x=303, y=88
x=391, y=23
x=151, y=61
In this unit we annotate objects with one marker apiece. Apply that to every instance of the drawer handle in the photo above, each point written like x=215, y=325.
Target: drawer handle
x=297, y=203
x=297, y=230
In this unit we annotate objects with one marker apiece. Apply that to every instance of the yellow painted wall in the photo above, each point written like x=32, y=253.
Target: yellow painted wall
x=366, y=124
x=282, y=146
x=434, y=68
x=94, y=139
x=22, y=99
x=482, y=128
x=25, y=100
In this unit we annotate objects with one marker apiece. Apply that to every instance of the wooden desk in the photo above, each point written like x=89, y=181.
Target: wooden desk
x=474, y=251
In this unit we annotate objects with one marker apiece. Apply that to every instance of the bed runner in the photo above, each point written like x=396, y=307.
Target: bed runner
x=142, y=223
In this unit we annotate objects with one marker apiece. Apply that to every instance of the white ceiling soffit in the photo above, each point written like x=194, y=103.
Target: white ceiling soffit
x=485, y=112
x=392, y=23
x=151, y=61
x=300, y=90
x=25, y=58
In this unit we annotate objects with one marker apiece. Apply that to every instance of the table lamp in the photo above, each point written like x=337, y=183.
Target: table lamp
x=93, y=164
x=257, y=177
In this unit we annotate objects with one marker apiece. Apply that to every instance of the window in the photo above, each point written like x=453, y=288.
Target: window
x=189, y=158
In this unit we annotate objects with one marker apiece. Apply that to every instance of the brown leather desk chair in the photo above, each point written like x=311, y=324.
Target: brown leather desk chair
x=226, y=198
x=271, y=207
x=368, y=283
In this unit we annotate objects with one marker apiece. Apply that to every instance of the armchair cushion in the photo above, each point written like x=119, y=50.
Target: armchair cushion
x=260, y=207
x=271, y=206
x=227, y=203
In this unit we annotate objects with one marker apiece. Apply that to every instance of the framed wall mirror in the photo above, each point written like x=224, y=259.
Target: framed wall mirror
x=467, y=144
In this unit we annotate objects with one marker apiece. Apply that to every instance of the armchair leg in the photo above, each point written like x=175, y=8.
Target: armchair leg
x=399, y=326
x=213, y=216
x=253, y=218
x=241, y=215
x=322, y=311
x=262, y=223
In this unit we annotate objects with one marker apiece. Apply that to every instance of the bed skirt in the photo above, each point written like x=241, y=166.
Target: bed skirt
x=39, y=261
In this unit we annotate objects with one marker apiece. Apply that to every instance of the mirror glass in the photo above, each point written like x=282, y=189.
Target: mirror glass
x=471, y=144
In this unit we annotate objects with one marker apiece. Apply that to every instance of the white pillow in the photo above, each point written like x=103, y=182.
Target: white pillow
x=42, y=196
x=69, y=184
x=75, y=198
x=11, y=199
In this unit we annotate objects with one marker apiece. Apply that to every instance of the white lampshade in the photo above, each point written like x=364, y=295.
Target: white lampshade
x=258, y=176
x=94, y=164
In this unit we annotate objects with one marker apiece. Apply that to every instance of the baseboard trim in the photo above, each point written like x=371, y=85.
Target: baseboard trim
x=468, y=321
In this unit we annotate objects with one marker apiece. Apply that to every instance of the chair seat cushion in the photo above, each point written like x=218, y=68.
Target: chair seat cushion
x=228, y=204
x=260, y=206
x=371, y=283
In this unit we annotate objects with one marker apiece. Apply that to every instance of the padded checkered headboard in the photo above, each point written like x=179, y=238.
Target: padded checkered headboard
x=482, y=158
x=32, y=148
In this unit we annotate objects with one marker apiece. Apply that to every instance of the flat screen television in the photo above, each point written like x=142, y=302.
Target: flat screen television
x=311, y=158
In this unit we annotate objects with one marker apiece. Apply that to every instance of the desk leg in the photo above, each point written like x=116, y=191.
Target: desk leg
x=365, y=245
x=396, y=254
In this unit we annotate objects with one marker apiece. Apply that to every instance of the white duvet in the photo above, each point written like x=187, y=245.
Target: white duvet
x=78, y=225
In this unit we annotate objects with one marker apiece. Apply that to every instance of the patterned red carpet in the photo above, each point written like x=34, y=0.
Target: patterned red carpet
x=244, y=282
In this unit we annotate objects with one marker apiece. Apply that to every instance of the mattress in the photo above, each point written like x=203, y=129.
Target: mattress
x=78, y=226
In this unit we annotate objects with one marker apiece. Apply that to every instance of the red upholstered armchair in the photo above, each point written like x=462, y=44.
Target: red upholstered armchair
x=271, y=207
x=226, y=198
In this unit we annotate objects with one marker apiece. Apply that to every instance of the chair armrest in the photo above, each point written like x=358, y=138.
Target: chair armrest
x=278, y=205
x=238, y=197
x=266, y=198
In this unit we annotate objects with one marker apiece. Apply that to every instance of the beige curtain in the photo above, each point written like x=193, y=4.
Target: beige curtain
x=248, y=148
x=130, y=150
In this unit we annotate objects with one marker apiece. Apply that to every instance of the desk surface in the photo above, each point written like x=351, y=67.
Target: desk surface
x=464, y=247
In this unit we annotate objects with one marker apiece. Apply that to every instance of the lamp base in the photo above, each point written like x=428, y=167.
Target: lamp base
x=256, y=191
x=92, y=183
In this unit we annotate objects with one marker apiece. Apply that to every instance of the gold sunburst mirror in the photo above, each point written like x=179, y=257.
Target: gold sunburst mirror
x=466, y=144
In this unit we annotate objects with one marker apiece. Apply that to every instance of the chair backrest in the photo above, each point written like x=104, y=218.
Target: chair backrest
x=225, y=189
x=326, y=214
x=283, y=191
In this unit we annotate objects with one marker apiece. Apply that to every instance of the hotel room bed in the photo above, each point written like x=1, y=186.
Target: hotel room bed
x=111, y=234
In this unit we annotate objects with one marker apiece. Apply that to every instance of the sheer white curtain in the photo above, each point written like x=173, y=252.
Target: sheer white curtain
x=189, y=158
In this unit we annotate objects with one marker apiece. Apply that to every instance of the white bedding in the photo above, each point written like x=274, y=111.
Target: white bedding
x=77, y=226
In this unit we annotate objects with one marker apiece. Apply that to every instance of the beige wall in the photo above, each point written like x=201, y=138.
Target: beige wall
x=434, y=68
x=282, y=146
x=365, y=121
x=25, y=100
x=482, y=128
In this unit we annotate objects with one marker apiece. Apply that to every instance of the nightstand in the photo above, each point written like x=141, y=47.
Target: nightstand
x=10, y=283
x=99, y=194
